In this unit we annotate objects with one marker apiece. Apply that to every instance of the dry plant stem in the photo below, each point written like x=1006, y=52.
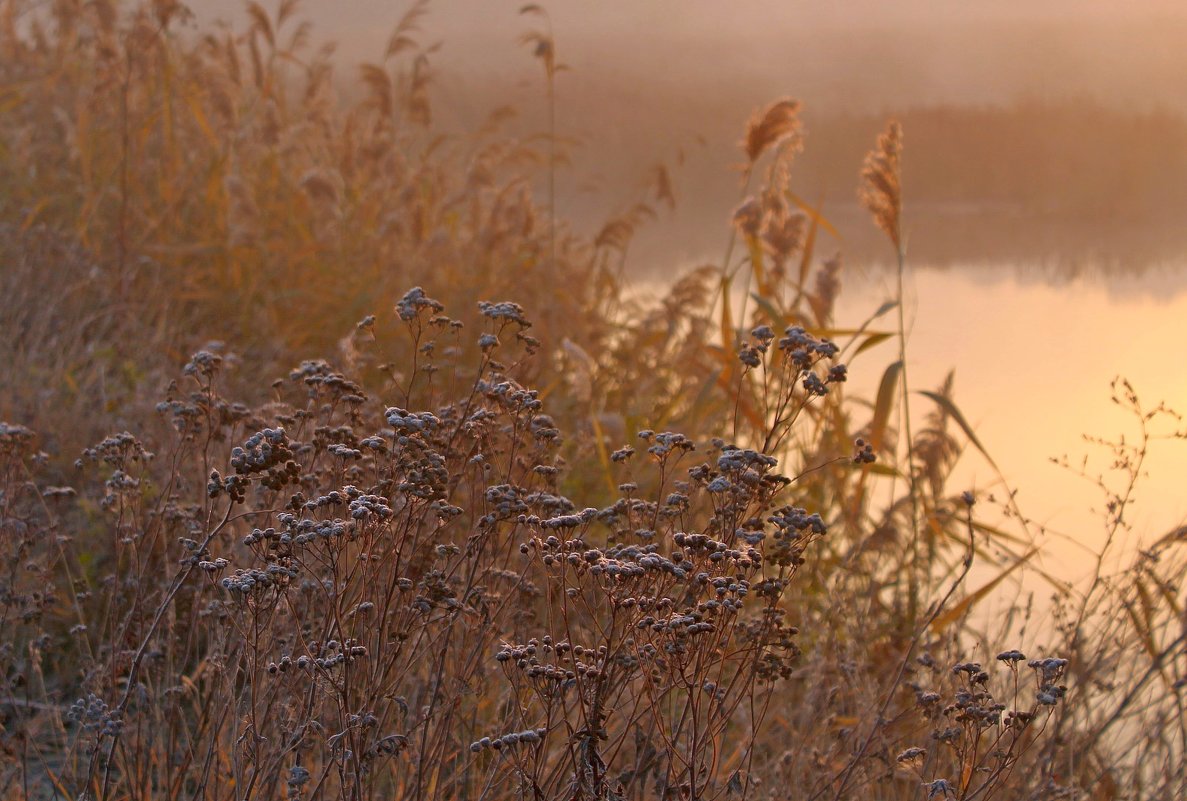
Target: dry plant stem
x=1152, y=671
x=138, y=657
x=1132, y=459
x=726, y=273
x=64, y=559
x=912, y=478
x=546, y=51
x=551, y=100
x=125, y=148
x=1117, y=513
x=847, y=772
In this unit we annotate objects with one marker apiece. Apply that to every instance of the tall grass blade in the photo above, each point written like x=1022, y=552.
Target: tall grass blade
x=603, y=454
x=871, y=341
x=813, y=213
x=806, y=255
x=947, y=618
x=951, y=409
x=769, y=307
x=884, y=403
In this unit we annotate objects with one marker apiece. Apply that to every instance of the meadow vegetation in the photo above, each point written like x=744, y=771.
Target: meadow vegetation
x=337, y=465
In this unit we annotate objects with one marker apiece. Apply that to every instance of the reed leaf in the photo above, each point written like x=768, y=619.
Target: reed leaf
x=950, y=408
x=884, y=403
x=966, y=604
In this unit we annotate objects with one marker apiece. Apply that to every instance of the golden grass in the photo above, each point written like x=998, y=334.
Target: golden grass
x=181, y=188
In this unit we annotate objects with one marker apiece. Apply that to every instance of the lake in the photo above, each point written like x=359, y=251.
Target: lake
x=1034, y=352
x=1034, y=357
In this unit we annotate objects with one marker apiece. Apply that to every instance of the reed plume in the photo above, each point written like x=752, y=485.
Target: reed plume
x=881, y=174
x=775, y=124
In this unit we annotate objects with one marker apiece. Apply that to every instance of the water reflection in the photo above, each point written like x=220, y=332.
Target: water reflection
x=1034, y=361
x=1035, y=352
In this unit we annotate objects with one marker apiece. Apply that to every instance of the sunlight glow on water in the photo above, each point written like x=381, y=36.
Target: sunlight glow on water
x=1034, y=360
x=1033, y=366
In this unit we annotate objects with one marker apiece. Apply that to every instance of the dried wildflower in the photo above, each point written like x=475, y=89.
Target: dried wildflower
x=92, y=712
x=298, y=776
x=764, y=335
x=1050, y=694
x=203, y=363
x=940, y=787
x=792, y=519
x=1049, y=669
x=813, y=385
x=506, y=311
x=118, y=450
x=749, y=356
x=738, y=460
x=622, y=454
x=13, y=435
x=414, y=301
x=669, y=442
x=719, y=485
x=911, y=754
x=927, y=699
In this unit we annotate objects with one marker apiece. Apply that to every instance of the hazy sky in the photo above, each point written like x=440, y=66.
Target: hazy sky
x=650, y=78
x=853, y=53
